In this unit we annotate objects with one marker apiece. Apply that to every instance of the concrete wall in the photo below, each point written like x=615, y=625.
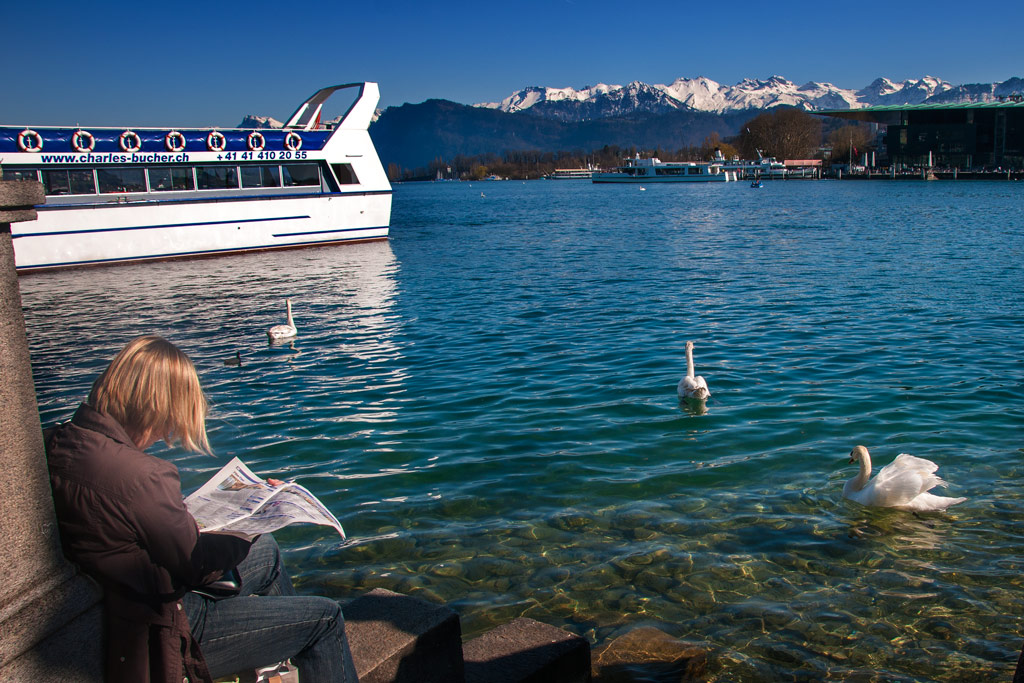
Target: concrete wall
x=49, y=613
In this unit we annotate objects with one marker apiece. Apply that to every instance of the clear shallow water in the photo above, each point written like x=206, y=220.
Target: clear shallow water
x=488, y=403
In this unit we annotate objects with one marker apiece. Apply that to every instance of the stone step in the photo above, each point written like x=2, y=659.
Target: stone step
x=397, y=638
x=527, y=651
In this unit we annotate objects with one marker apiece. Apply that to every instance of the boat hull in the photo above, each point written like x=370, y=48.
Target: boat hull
x=615, y=178
x=654, y=170
x=65, y=237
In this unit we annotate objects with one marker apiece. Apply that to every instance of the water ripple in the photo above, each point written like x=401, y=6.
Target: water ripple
x=488, y=402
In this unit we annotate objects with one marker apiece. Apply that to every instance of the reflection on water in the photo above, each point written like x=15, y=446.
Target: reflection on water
x=488, y=402
x=898, y=529
x=692, y=407
x=342, y=299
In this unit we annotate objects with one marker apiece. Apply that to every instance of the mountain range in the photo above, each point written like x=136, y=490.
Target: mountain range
x=704, y=94
x=670, y=116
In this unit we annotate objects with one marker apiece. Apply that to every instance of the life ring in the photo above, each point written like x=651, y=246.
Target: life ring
x=256, y=142
x=216, y=142
x=30, y=141
x=83, y=141
x=130, y=141
x=293, y=141
x=174, y=141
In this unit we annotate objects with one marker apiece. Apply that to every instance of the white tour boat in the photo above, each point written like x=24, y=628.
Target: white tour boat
x=654, y=170
x=129, y=194
x=571, y=174
x=763, y=168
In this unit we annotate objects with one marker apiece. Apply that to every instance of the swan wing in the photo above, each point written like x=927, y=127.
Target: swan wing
x=693, y=387
x=903, y=480
x=281, y=331
x=927, y=502
x=906, y=468
x=907, y=461
x=898, y=490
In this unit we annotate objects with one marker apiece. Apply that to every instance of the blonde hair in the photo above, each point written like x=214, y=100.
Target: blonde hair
x=151, y=388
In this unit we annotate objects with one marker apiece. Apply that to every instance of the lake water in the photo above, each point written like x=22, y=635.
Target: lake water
x=488, y=402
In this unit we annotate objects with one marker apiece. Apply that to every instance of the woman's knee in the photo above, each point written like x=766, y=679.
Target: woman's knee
x=263, y=570
x=330, y=610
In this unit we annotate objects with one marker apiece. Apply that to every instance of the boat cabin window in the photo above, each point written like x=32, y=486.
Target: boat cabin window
x=121, y=180
x=669, y=170
x=694, y=170
x=168, y=179
x=217, y=177
x=20, y=174
x=69, y=182
x=301, y=174
x=345, y=173
x=106, y=180
x=261, y=176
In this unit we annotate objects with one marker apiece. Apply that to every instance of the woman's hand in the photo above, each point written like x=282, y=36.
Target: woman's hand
x=274, y=482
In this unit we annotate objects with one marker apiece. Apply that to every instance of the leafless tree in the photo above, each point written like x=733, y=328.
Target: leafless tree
x=782, y=133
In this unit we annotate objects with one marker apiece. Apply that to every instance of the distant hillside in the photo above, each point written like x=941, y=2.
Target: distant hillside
x=413, y=135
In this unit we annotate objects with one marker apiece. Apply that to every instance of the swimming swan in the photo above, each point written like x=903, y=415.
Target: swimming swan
x=690, y=386
x=284, y=331
x=903, y=483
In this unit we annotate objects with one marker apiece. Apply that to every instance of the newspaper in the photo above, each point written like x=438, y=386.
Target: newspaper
x=235, y=501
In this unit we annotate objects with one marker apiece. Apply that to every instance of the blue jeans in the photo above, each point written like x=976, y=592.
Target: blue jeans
x=268, y=623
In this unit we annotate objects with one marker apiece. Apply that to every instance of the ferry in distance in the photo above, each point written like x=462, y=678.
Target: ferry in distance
x=654, y=170
x=571, y=174
x=764, y=167
x=130, y=194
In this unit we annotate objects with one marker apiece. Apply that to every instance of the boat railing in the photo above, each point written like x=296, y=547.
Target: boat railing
x=358, y=116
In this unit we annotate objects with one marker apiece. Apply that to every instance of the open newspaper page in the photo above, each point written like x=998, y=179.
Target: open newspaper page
x=236, y=501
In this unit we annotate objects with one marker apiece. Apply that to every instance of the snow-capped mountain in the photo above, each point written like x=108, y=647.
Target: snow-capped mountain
x=527, y=97
x=257, y=121
x=981, y=92
x=883, y=91
x=705, y=95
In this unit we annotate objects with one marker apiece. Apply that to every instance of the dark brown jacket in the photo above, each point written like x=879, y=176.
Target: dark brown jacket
x=123, y=521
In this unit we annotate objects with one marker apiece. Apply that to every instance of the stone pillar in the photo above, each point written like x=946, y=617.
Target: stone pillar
x=49, y=614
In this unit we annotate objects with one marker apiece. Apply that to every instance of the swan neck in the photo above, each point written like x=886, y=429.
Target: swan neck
x=289, y=306
x=865, y=473
x=689, y=362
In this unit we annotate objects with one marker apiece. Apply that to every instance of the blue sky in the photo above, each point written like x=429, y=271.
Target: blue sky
x=209, y=63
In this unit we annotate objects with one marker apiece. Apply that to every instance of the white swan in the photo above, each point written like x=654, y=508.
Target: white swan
x=690, y=386
x=284, y=331
x=903, y=483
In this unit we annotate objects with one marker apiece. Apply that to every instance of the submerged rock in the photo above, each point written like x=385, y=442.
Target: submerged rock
x=648, y=654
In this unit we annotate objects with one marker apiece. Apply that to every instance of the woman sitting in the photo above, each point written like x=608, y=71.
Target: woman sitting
x=123, y=521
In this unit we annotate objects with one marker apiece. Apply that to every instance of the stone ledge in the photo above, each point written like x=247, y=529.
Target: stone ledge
x=401, y=639
x=527, y=651
x=18, y=199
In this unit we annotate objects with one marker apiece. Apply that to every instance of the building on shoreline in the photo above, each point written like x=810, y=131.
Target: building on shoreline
x=965, y=136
